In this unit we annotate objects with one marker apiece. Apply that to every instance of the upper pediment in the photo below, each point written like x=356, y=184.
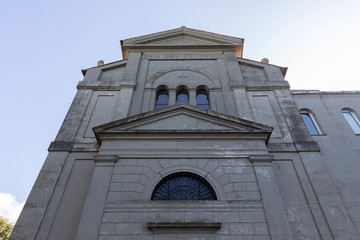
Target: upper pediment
x=182, y=37
x=181, y=118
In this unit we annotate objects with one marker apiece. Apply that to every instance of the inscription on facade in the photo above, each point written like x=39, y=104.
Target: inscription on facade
x=183, y=56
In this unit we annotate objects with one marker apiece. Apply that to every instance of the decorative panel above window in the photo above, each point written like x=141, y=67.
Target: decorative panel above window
x=310, y=123
x=352, y=120
x=183, y=186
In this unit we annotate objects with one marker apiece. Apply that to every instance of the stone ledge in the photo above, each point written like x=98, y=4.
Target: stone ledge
x=58, y=146
x=184, y=227
x=307, y=146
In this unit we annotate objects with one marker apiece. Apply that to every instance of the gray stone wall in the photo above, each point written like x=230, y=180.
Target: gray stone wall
x=129, y=209
x=338, y=143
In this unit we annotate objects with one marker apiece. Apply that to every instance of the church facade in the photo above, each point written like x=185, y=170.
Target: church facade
x=185, y=139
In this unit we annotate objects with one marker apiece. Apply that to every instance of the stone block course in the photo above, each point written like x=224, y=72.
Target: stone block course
x=261, y=228
x=226, y=217
x=241, y=228
x=155, y=165
x=228, y=237
x=240, y=186
x=211, y=165
x=107, y=228
x=144, y=179
x=258, y=217
x=112, y=237
x=170, y=216
x=142, y=217
x=198, y=216
x=140, y=237
x=149, y=172
x=133, y=169
x=233, y=169
x=252, y=186
x=165, y=163
x=119, y=196
x=184, y=161
x=123, y=178
x=244, y=177
x=115, y=187
x=256, y=237
x=248, y=169
x=248, y=196
x=128, y=187
x=224, y=179
x=130, y=228
x=115, y=217
x=139, y=187
x=202, y=162
x=228, y=187
x=174, y=161
x=218, y=172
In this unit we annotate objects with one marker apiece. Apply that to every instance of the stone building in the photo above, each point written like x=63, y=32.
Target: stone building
x=185, y=139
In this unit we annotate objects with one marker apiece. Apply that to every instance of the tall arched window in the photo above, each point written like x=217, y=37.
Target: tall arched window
x=183, y=186
x=310, y=122
x=162, y=98
x=352, y=120
x=182, y=96
x=202, y=99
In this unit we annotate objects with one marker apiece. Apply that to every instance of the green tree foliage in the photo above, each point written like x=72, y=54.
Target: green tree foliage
x=5, y=228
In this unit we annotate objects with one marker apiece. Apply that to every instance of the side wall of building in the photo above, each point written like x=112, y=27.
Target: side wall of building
x=338, y=143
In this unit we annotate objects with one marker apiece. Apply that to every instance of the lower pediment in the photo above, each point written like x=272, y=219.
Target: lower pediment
x=181, y=118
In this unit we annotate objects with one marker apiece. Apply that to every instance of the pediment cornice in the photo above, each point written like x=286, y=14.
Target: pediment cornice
x=182, y=121
x=182, y=38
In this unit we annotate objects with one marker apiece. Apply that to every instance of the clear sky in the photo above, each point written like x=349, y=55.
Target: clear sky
x=45, y=44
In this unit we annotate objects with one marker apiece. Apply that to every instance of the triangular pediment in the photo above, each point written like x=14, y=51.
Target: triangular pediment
x=181, y=118
x=182, y=37
x=183, y=40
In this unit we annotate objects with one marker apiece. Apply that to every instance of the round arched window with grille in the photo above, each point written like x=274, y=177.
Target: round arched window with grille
x=183, y=186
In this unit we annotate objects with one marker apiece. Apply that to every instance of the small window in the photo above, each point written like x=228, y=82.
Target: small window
x=162, y=98
x=352, y=120
x=183, y=186
x=310, y=123
x=182, y=96
x=202, y=99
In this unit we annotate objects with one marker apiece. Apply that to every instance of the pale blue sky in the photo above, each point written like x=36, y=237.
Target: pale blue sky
x=45, y=44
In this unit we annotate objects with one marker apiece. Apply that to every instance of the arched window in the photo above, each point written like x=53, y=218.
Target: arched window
x=310, y=122
x=352, y=120
x=182, y=96
x=202, y=99
x=183, y=186
x=162, y=98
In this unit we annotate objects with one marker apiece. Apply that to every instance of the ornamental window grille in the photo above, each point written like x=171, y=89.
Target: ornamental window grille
x=183, y=186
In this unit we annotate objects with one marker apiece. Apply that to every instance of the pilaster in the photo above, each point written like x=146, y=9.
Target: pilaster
x=273, y=204
x=94, y=206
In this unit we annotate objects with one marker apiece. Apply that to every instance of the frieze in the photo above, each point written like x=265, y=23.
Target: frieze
x=183, y=56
